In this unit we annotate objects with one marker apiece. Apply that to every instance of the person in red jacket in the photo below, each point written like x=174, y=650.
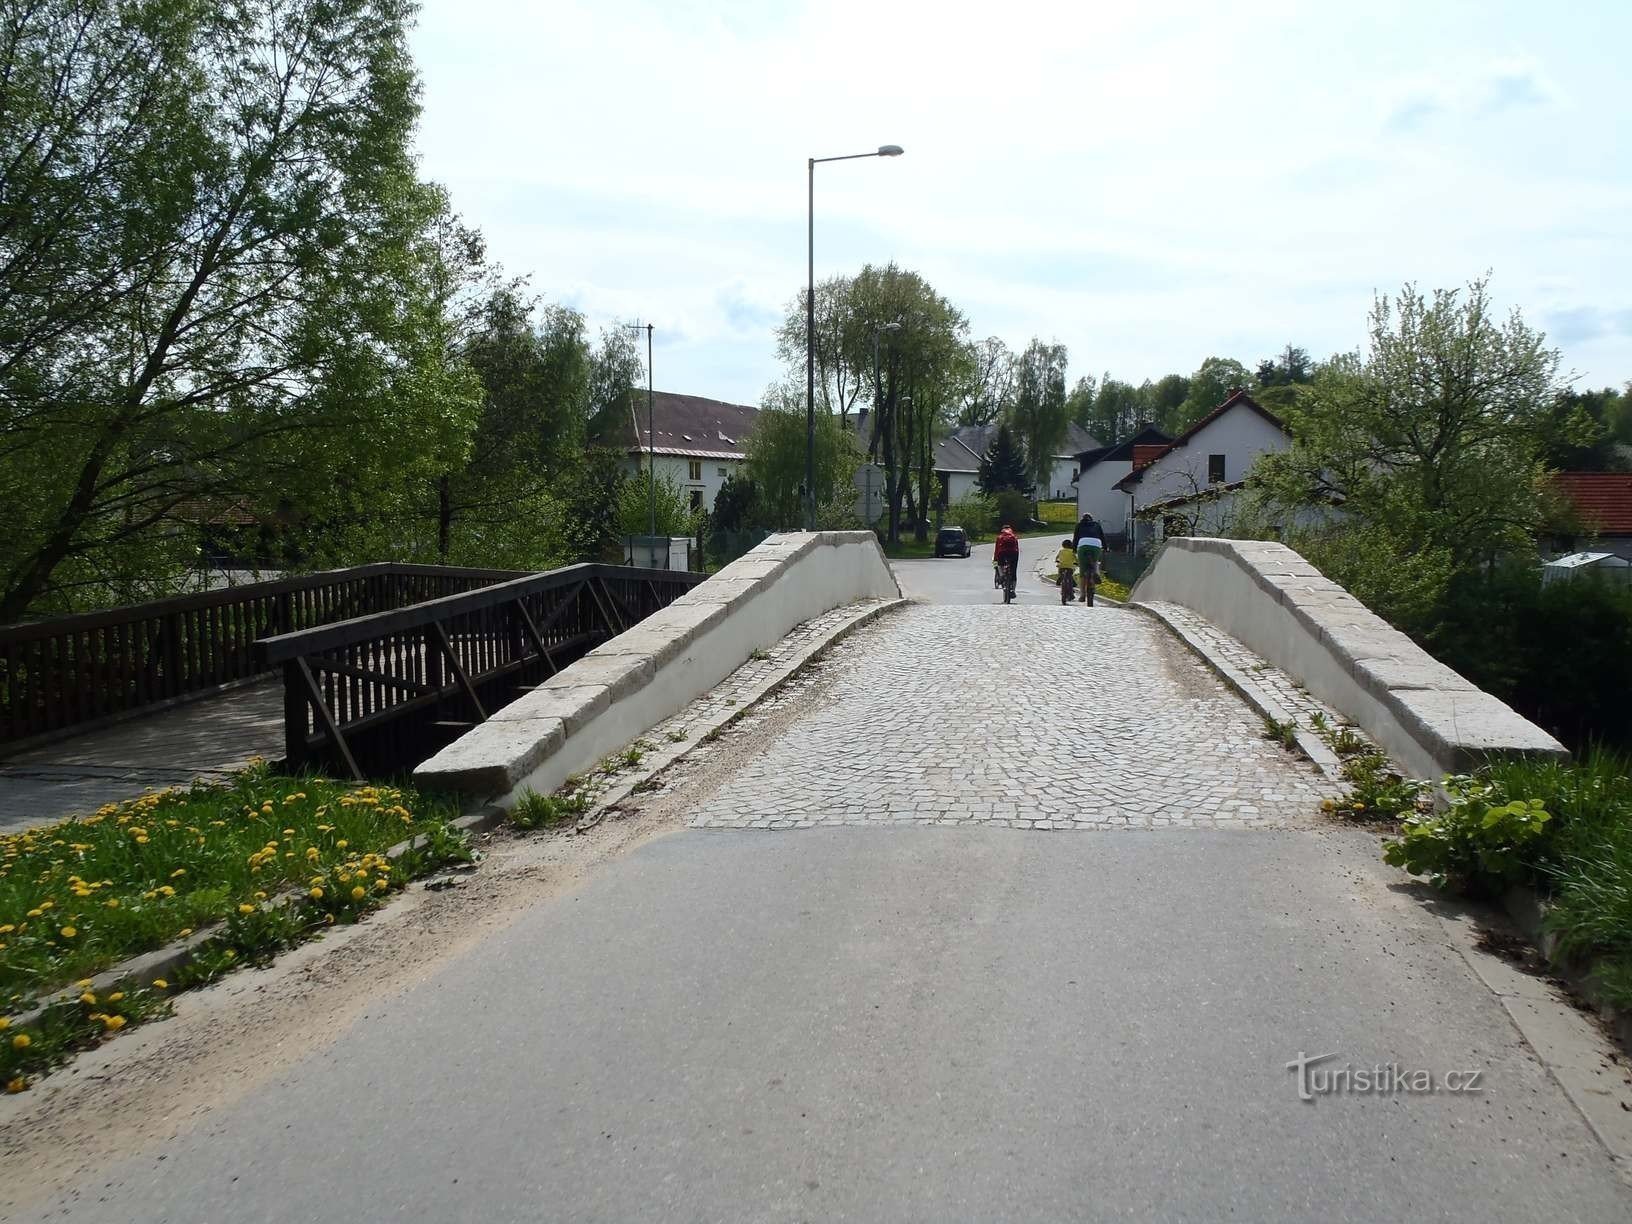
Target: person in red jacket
x=1006, y=555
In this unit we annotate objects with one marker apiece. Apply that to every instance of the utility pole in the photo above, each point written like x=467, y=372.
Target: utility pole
x=651, y=444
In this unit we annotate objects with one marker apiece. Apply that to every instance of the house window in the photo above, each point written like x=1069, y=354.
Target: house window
x=696, y=499
x=719, y=472
x=1215, y=469
x=694, y=469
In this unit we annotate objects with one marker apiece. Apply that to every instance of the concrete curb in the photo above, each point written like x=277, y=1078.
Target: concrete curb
x=1310, y=744
x=1528, y=910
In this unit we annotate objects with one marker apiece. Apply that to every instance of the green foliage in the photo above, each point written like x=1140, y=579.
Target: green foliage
x=989, y=389
x=1060, y=513
x=776, y=459
x=1003, y=466
x=536, y=811
x=1579, y=431
x=210, y=298
x=1040, y=415
x=1376, y=791
x=1430, y=440
x=589, y=496
x=736, y=505
x=674, y=515
x=976, y=513
x=1209, y=387
x=1480, y=843
x=1013, y=508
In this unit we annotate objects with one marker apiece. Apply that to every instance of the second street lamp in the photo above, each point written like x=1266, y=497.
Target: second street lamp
x=810, y=325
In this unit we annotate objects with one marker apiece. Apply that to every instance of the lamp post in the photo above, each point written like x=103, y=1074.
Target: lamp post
x=810, y=324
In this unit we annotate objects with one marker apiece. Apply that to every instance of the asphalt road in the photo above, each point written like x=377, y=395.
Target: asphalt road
x=913, y=1023
x=966, y=580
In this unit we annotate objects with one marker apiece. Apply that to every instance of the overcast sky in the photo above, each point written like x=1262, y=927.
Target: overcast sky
x=1147, y=183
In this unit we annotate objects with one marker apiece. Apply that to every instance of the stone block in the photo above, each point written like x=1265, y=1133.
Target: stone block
x=620, y=674
x=1461, y=727
x=574, y=706
x=494, y=757
x=1417, y=671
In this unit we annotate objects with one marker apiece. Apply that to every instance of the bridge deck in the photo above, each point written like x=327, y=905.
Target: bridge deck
x=202, y=739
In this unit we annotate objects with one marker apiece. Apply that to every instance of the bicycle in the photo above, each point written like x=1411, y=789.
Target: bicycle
x=1068, y=585
x=1003, y=576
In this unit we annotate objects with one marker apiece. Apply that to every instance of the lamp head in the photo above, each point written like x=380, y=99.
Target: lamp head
x=890, y=150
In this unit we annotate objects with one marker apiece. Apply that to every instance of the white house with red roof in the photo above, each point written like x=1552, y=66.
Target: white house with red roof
x=1192, y=483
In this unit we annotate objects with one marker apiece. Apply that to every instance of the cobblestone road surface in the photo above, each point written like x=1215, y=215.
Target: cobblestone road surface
x=1031, y=717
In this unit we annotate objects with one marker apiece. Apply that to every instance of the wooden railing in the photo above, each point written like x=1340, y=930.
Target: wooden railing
x=72, y=671
x=378, y=694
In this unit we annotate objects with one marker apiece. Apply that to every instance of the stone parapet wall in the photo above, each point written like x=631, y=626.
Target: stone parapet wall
x=1430, y=719
x=627, y=685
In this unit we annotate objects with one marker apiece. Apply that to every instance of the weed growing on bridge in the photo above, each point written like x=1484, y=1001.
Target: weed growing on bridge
x=1283, y=733
x=536, y=811
x=83, y=894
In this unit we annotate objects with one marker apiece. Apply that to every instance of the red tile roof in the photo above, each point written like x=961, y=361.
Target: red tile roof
x=1604, y=499
x=1149, y=452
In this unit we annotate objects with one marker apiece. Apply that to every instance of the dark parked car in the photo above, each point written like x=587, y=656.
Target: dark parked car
x=952, y=542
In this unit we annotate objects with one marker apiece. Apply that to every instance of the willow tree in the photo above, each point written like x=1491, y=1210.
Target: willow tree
x=215, y=279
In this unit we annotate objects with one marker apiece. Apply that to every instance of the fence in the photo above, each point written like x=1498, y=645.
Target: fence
x=75, y=671
x=380, y=693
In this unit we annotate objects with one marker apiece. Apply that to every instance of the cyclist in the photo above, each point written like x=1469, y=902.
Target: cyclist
x=1089, y=541
x=1006, y=559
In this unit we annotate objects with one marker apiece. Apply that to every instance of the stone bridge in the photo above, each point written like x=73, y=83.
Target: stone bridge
x=1081, y=992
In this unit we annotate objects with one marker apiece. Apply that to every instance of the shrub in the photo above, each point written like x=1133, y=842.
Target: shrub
x=976, y=513
x=1481, y=843
x=1012, y=508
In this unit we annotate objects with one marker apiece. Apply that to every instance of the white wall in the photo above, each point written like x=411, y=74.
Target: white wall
x=1098, y=495
x=1428, y=718
x=655, y=669
x=1240, y=435
x=677, y=468
x=960, y=485
x=1060, y=487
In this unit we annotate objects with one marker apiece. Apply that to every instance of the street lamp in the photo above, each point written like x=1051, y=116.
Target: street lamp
x=810, y=325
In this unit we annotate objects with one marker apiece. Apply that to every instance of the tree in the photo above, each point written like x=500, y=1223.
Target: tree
x=776, y=457
x=1040, y=416
x=843, y=347
x=1002, y=467
x=221, y=286
x=1291, y=367
x=1079, y=405
x=616, y=372
x=736, y=505
x=1430, y=444
x=1210, y=386
x=1116, y=412
x=1578, y=432
x=1164, y=403
x=990, y=388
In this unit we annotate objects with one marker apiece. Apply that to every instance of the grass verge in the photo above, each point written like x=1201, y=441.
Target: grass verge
x=82, y=895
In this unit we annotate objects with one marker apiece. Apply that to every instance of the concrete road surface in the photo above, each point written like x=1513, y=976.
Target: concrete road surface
x=969, y=579
x=910, y=1023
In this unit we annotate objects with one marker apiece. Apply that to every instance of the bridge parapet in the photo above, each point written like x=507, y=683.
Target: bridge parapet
x=629, y=684
x=1428, y=717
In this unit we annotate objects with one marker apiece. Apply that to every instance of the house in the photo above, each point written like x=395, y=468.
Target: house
x=1181, y=483
x=958, y=457
x=1099, y=470
x=1603, y=500
x=695, y=442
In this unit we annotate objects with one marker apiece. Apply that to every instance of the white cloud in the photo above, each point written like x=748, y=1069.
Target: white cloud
x=1149, y=183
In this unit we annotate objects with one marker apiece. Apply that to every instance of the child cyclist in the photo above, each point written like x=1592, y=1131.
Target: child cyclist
x=1066, y=560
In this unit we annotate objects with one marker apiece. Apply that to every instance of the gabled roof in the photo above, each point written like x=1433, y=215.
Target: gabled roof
x=1122, y=452
x=1603, y=499
x=964, y=448
x=687, y=425
x=1236, y=399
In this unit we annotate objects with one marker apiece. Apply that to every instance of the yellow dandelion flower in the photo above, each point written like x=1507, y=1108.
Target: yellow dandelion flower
x=178, y=873
x=358, y=893
x=160, y=984
x=16, y=1084
x=83, y=983
x=5, y=1023
x=69, y=932
x=184, y=932
x=111, y=903
x=381, y=884
x=88, y=999
x=116, y=996
x=246, y=908
x=142, y=841
x=341, y=844
x=114, y=1023
x=21, y=1041
x=316, y=894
